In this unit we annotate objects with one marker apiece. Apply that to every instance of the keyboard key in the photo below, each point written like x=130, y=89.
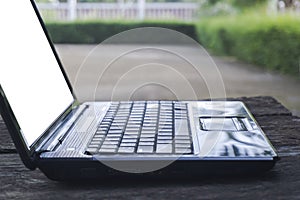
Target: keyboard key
x=149, y=129
x=164, y=148
x=95, y=144
x=99, y=137
x=165, y=133
x=164, y=137
x=148, y=133
x=184, y=133
x=165, y=125
x=164, y=141
x=91, y=149
x=103, y=127
x=133, y=126
x=115, y=131
x=134, y=123
x=101, y=131
x=182, y=141
x=108, y=142
x=131, y=136
x=125, y=144
x=105, y=123
x=181, y=127
x=152, y=105
x=144, y=138
x=109, y=146
x=121, y=116
x=104, y=150
x=147, y=139
x=180, y=117
x=183, y=150
x=146, y=143
x=182, y=137
x=129, y=140
x=136, y=120
x=126, y=150
x=109, y=135
x=145, y=149
x=132, y=129
x=149, y=124
x=178, y=145
x=113, y=138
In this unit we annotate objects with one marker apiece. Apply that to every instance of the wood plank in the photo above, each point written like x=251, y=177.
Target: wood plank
x=264, y=106
x=282, y=182
x=6, y=144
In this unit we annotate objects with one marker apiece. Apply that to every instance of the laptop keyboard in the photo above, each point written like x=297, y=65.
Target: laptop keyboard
x=143, y=127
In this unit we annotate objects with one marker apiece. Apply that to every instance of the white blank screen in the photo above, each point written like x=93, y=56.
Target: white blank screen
x=29, y=73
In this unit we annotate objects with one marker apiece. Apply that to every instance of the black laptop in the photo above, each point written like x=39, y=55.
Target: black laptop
x=67, y=140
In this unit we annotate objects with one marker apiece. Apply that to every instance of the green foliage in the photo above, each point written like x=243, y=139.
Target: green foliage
x=272, y=42
x=247, y=3
x=210, y=8
x=237, y=3
x=268, y=41
x=98, y=31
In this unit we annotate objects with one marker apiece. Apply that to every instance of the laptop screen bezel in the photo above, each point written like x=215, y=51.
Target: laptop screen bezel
x=27, y=153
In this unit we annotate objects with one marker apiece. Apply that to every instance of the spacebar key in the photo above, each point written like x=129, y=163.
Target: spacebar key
x=181, y=127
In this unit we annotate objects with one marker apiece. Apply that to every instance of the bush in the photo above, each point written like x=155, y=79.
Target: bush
x=268, y=41
x=97, y=31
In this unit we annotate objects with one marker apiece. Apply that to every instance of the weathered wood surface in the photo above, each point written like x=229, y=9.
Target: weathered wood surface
x=282, y=182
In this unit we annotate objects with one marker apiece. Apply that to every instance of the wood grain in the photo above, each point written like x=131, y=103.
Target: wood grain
x=282, y=182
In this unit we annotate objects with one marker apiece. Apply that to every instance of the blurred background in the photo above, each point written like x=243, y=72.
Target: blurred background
x=254, y=43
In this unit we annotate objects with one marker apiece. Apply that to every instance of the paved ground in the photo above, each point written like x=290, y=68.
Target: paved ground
x=123, y=72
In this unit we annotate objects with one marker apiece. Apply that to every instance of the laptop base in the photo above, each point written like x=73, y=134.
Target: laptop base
x=70, y=170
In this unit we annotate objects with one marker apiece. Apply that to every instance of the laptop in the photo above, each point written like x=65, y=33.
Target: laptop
x=69, y=140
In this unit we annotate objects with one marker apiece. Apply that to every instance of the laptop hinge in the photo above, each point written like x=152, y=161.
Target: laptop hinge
x=61, y=131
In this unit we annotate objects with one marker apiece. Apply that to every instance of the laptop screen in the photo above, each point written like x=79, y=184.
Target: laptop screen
x=29, y=73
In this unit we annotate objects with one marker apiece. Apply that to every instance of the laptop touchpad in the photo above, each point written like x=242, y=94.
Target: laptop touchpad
x=222, y=124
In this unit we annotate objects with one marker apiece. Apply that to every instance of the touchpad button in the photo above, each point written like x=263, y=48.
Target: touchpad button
x=221, y=124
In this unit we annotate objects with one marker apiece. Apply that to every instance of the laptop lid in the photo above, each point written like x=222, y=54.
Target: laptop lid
x=35, y=91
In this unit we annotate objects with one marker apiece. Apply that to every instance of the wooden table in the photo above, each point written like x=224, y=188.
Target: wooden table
x=282, y=182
